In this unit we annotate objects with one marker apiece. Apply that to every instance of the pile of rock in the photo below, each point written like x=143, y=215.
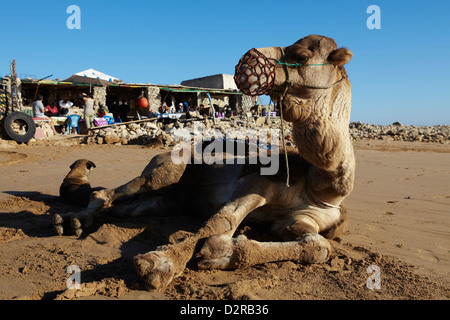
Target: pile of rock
x=132, y=133
x=399, y=132
x=149, y=132
x=167, y=134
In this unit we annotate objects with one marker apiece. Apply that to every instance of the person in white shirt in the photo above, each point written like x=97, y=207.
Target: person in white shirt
x=65, y=104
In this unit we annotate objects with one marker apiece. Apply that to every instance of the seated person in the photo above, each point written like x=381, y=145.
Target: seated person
x=38, y=112
x=102, y=110
x=51, y=111
x=65, y=104
x=164, y=108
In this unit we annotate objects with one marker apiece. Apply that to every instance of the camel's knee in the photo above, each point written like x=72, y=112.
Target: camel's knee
x=101, y=198
x=294, y=227
x=336, y=230
x=222, y=223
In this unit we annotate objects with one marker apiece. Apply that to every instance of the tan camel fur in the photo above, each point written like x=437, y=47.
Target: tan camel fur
x=321, y=175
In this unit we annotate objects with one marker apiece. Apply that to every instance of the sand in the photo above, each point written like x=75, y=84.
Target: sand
x=399, y=222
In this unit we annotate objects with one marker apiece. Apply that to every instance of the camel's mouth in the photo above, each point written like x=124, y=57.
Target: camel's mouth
x=255, y=74
x=297, y=110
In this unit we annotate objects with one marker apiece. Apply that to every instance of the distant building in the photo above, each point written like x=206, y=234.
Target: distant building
x=127, y=94
x=217, y=81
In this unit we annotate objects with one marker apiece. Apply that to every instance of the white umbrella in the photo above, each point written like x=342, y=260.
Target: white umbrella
x=93, y=77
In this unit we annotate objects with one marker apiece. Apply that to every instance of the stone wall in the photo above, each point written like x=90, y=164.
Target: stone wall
x=154, y=97
x=221, y=102
x=99, y=96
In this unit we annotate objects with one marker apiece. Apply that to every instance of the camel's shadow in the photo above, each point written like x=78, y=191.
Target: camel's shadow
x=31, y=212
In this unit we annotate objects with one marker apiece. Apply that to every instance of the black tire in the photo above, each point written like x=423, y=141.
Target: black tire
x=26, y=123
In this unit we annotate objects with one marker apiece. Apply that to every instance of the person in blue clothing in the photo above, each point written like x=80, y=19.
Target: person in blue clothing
x=186, y=109
x=38, y=108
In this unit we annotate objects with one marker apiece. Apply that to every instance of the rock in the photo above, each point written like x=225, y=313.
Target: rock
x=140, y=132
x=133, y=126
x=111, y=138
x=260, y=121
x=151, y=125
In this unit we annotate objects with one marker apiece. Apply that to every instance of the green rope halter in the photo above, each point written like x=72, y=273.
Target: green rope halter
x=296, y=65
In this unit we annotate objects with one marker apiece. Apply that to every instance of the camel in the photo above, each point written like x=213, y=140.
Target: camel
x=309, y=82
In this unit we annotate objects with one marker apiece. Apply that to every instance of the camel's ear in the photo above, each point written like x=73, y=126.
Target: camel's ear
x=73, y=164
x=90, y=165
x=340, y=56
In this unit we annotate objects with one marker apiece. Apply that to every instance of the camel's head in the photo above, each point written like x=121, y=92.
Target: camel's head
x=301, y=71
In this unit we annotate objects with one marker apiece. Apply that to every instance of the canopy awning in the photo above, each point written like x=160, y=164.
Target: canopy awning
x=93, y=77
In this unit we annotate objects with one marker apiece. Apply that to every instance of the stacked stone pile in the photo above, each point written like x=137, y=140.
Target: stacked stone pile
x=145, y=133
x=148, y=132
x=399, y=132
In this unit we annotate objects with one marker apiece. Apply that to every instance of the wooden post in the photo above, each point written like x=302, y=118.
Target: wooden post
x=16, y=95
x=212, y=107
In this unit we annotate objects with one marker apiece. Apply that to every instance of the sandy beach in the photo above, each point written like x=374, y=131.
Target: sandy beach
x=398, y=221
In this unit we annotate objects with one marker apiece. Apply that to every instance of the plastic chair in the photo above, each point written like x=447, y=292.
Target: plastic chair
x=109, y=119
x=72, y=122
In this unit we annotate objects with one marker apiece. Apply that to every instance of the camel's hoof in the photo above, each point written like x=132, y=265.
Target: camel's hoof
x=57, y=224
x=218, y=252
x=75, y=226
x=315, y=248
x=61, y=223
x=155, y=268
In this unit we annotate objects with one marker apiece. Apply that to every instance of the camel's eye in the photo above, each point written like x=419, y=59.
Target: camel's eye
x=302, y=58
x=298, y=54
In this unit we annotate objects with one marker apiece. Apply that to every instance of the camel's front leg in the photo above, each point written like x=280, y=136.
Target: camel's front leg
x=223, y=252
x=159, y=267
x=299, y=232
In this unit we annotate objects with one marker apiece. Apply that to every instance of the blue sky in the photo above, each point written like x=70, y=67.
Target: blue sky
x=399, y=73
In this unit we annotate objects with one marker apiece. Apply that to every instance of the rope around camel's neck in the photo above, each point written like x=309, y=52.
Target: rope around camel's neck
x=281, y=101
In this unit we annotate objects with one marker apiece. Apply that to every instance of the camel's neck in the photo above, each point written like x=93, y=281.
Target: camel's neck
x=324, y=141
